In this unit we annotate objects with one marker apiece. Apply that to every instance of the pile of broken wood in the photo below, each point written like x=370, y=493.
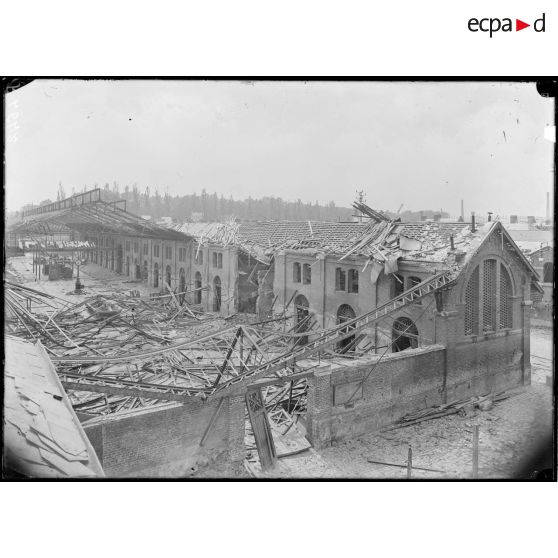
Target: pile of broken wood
x=460, y=406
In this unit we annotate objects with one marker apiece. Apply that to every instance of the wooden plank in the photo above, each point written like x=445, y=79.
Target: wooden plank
x=129, y=391
x=260, y=428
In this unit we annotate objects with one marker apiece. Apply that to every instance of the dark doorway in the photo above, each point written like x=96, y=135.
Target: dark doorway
x=345, y=313
x=168, y=277
x=302, y=317
x=217, y=294
x=156, y=275
x=548, y=272
x=198, y=288
x=181, y=285
x=119, y=259
x=404, y=335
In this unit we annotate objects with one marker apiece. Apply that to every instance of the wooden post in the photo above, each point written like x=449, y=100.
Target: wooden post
x=475, y=452
x=410, y=463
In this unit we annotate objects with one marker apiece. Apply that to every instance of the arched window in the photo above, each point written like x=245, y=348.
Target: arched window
x=296, y=273
x=353, y=281
x=488, y=298
x=346, y=313
x=472, y=304
x=219, y=260
x=339, y=279
x=217, y=294
x=306, y=274
x=398, y=285
x=506, y=294
x=197, y=288
x=404, y=335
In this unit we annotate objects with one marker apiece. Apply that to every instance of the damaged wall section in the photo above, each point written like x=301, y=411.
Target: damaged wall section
x=254, y=280
x=406, y=382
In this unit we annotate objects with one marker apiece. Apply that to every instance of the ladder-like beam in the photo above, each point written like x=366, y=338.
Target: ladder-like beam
x=349, y=328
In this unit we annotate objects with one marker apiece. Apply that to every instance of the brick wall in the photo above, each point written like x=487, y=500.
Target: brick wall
x=404, y=382
x=164, y=441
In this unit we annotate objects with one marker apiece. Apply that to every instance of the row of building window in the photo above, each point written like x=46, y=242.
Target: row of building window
x=141, y=272
x=346, y=281
x=302, y=273
x=217, y=260
x=217, y=256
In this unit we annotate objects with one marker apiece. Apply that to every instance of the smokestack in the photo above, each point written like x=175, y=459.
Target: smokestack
x=489, y=216
x=473, y=229
x=548, y=206
x=462, y=211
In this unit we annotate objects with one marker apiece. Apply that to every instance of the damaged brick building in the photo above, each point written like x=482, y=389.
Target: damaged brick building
x=326, y=329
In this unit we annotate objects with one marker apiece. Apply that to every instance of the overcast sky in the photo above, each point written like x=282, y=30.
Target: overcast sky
x=426, y=145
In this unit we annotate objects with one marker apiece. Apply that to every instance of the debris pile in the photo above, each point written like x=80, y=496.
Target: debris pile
x=455, y=407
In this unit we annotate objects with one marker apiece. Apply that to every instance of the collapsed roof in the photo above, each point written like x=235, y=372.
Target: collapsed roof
x=88, y=214
x=383, y=242
x=42, y=434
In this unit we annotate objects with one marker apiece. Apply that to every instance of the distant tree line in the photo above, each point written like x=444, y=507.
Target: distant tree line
x=212, y=207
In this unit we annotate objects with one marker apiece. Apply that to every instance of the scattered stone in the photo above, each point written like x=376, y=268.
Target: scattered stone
x=485, y=405
x=202, y=461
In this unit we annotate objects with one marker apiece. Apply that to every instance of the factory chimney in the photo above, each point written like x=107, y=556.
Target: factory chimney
x=489, y=216
x=462, y=212
x=473, y=229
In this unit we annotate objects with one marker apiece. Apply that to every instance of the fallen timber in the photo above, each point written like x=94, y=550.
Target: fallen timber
x=214, y=362
x=447, y=409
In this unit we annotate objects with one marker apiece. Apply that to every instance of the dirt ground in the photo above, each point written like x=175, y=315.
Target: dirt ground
x=509, y=433
x=95, y=278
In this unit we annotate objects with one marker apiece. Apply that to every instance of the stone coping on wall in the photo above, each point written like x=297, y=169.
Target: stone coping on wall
x=131, y=413
x=472, y=339
x=373, y=359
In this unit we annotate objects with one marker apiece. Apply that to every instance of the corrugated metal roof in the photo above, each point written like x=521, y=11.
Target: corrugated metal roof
x=42, y=434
